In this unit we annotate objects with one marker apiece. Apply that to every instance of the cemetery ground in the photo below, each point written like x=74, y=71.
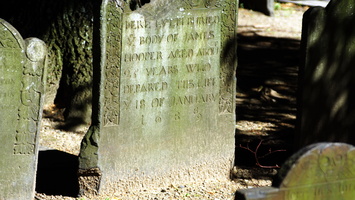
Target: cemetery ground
x=268, y=60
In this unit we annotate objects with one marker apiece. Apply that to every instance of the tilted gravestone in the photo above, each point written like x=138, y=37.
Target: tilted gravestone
x=319, y=171
x=164, y=95
x=326, y=104
x=22, y=80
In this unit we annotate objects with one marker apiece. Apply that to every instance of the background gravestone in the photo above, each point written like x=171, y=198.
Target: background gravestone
x=319, y=171
x=264, y=6
x=163, y=95
x=22, y=80
x=327, y=79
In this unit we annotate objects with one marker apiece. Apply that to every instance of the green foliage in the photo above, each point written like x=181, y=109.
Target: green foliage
x=277, y=6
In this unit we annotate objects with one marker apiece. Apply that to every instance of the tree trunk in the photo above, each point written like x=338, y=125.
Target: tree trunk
x=66, y=27
x=74, y=29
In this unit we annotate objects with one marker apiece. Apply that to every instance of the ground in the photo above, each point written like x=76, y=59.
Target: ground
x=268, y=57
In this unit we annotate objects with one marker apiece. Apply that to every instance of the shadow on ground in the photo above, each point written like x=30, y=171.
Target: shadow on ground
x=57, y=173
x=266, y=102
x=266, y=113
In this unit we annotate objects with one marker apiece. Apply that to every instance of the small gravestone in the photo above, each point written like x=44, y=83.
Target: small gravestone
x=264, y=6
x=326, y=105
x=164, y=95
x=317, y=172
x=22, y=70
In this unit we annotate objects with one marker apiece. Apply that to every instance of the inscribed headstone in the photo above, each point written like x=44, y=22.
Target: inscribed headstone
x=22, y=67
x=319, y=171
x=164, y=94
x=326, y=105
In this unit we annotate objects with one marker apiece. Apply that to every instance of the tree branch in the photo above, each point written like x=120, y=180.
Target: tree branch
x=256, y=157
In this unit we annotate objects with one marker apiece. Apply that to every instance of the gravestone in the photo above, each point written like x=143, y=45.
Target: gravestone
x=322, y=3
x=164, y=106
x=22, y=81
x=319, y=171
x=264, y=6
x=326, y=103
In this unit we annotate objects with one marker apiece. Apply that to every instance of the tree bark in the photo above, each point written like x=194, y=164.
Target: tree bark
x=66, y=27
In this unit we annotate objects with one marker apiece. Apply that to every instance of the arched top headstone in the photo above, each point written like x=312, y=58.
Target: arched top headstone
x=10, y=37
x=22, y=83
x=318, y=163
x=319, y=171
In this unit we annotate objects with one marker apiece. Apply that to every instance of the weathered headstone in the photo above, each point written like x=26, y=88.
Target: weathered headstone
x=319, y=171
x=326, y=105
x=22, y=80
x=164, y=95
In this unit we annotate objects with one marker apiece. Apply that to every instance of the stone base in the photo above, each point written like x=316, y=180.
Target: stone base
x=93, y=183
x=89, y=182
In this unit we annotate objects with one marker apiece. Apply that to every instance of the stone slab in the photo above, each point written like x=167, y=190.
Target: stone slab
x=326, y=101
x=22, y=81
x=164, y=94
x=322, y=3
x=319, y=171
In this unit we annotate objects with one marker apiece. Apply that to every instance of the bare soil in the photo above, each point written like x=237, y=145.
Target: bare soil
x=267, y=78
x=268, y=57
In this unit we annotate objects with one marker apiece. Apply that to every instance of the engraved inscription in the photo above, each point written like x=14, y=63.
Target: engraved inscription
x=319, y=171
x=171, y=63
x=327, y=171
x=322, y=191
x=136, y=57
x=145, y=87
x=11, y=55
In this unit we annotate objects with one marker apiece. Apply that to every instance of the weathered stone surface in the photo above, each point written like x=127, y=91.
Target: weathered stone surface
x=319, y=171
x=326, y=105
x=22, y=79
x=164, y=94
